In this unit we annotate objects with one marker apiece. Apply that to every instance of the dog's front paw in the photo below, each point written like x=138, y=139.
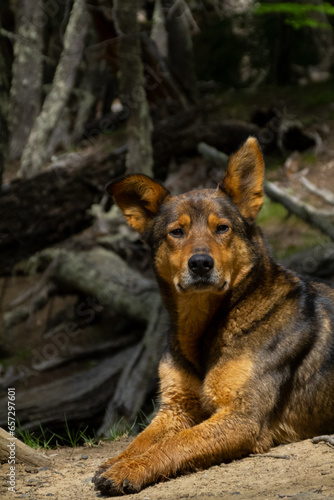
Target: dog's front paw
x=106, y=486
x=105, y=466
x=125, y=477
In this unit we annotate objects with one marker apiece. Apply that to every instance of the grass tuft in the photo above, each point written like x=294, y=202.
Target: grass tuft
x=34, y=441
x=47, y=439
x=121, y=429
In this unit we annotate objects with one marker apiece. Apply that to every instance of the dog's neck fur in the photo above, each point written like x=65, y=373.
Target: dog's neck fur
x=194, y=315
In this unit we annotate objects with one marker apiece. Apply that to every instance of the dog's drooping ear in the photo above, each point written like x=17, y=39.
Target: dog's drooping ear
x=243, y=180
x=139, y=198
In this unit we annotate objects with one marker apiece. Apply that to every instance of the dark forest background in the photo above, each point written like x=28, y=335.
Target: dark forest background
x=93, y=89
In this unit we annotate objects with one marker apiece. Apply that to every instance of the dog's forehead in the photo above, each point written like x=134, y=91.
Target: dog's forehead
x=198, y=204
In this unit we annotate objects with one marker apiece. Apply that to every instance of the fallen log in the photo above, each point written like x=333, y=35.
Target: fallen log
x=22, y=453
x=102, y=274
x=53, y=205
x=46, y=404
x=281, y=130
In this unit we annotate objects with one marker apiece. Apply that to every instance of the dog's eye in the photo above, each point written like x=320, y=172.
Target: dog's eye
x=177, y=233
x=222, y=228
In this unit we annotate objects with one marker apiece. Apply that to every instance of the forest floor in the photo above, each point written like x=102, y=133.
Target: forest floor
x=299, y=470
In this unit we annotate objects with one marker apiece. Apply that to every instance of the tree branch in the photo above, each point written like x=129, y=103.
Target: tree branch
x=326, y=195
x=314, y=217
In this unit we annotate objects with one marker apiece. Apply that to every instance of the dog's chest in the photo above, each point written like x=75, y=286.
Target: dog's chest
x=225, y=384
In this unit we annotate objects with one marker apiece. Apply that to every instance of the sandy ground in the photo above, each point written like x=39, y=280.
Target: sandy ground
x=299, y=470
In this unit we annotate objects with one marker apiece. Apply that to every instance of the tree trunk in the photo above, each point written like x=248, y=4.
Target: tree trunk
x=162, y=91
x=5, y=71
x=26, y=89
x=322, y=38
x=159, y=33
x=180, y=47
x=35, y=153
x=132, y=88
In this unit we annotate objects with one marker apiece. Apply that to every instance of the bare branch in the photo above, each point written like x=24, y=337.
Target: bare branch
x=23, y=312
x=314, y=217
x=208, y=152
x=325, y=194
x=33, y=291
x=326, y=439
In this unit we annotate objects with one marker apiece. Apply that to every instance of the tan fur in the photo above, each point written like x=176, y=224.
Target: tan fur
x=224, y=385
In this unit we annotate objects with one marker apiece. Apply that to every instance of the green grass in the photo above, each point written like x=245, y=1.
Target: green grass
x=35, y=441
x=120, y=429
x=290, y=234
x=89, y=441
x=321, y=93
x=23, y=354
x=271, y=212
x=47, y=439
x=73, y=436
x=309, y=158
x=123, y=428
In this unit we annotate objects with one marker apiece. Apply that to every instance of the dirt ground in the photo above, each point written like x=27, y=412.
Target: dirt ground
x=299, y=470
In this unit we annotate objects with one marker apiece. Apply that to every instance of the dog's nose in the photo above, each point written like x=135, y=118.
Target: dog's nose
x=200, y=264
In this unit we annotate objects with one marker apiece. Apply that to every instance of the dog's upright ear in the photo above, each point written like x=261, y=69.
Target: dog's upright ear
x=243, y=180
x=139, y=198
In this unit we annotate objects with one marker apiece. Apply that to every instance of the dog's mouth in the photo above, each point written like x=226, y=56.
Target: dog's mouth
x=201, y=275
x=201, y=285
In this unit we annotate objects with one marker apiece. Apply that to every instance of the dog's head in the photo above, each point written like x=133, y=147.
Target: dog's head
x=201, y=240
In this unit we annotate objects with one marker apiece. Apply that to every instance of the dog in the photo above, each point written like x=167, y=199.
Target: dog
x=250, y=357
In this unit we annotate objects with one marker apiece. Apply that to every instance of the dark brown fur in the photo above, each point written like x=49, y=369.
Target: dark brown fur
x=250, y=362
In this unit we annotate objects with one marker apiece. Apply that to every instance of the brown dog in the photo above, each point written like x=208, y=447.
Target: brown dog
x=250, y=361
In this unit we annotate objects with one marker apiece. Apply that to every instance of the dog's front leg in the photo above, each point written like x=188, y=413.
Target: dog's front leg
x=166, y=423
x=223, y=436
x=180, y=409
